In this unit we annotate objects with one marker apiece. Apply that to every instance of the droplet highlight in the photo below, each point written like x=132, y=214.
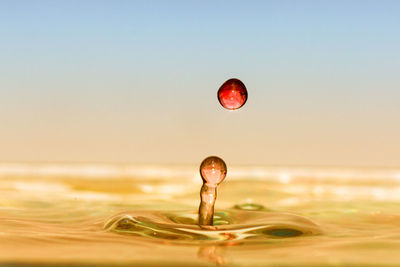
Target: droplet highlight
x=232, y=94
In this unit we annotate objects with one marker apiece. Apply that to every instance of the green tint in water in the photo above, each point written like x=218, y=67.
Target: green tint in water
x=283, y=232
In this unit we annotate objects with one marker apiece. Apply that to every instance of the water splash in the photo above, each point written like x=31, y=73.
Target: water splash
x=231, y=227
x=213, y=171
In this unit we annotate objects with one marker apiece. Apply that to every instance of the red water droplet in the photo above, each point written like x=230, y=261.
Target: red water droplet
x=232, y=94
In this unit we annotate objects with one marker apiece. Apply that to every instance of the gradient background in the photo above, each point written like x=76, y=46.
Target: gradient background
x=136, y=81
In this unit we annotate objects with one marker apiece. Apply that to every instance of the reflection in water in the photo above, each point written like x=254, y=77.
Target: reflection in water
x=214, y=254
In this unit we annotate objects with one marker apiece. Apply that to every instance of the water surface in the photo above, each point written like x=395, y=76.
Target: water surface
x=145, y=215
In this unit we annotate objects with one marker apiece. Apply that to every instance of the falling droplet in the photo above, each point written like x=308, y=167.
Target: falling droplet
x=213, y=172
x=232, y=94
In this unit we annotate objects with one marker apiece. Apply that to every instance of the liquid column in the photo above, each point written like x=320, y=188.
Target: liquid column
x=213, y=172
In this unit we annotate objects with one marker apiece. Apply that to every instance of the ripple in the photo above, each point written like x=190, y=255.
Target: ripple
x=249, y=206
x=240, y=226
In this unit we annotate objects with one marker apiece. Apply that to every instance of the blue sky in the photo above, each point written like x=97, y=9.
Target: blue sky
x=136, y=81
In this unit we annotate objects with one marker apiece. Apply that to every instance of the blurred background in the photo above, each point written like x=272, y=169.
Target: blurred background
x=136, y=82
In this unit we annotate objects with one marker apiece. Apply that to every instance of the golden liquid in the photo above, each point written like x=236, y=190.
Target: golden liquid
x=59, y=214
